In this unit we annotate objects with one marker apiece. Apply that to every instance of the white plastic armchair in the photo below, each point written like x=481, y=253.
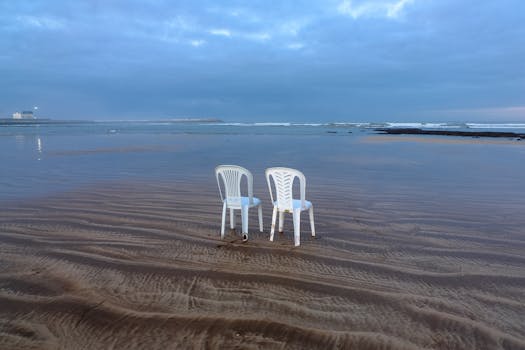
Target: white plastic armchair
x=283, y=179
x=231, y=176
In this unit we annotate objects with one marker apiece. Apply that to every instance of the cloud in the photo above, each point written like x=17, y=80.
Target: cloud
x=295, y=46
x=179, y=23
x=220, y=32
x=261, y=36
x=197, y=43
x=41, y=22
x=386, y=9
x=254, y=36
x=293, y=27
x=243, y=14
x=294, y=59
x=394, y=10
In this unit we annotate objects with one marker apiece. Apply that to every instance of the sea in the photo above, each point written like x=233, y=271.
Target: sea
x=48, y=159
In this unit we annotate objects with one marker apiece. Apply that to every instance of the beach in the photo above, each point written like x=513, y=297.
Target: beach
x=112, y=240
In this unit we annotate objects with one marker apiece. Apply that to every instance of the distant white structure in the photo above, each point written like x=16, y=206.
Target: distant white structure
x=23, y=115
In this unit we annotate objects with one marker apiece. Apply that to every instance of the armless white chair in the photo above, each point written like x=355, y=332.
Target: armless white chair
x=283, y=179
x=231, y=176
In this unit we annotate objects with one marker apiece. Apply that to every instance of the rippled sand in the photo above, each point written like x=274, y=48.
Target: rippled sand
x=141, y=266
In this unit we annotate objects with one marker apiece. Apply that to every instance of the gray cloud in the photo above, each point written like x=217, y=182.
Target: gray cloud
x=335, y=60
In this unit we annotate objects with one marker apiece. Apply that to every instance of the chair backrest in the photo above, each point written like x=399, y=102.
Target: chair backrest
x=231, y=176
x=283, y=179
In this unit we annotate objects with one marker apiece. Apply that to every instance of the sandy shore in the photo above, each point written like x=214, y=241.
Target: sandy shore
x=142, y=267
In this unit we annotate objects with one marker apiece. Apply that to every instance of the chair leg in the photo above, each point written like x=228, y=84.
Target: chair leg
x=260, y=218
x=223, y=222
x=244, y=218
x=232, y=218
x=281, y=221
x=312, y=224
x=297, y=227
x=274, y=217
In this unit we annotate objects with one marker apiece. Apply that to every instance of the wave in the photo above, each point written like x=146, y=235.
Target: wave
x=211, y=125
x=496, y=126
x=427, y=125
x=374, y=125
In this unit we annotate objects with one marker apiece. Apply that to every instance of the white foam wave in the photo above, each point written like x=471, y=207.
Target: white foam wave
x=308, y=124
x=357, y=124
x=272, y=124
x=427, y=125
x=250, y=124
x=374, y=125
x=495, y=126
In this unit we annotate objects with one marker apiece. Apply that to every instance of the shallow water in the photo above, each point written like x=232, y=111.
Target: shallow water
x=41, y=160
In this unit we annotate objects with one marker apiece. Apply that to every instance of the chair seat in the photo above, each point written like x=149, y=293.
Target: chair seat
x=245, y=201
x=297, y=204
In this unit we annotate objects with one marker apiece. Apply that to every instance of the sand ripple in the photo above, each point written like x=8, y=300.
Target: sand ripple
x=141, y=266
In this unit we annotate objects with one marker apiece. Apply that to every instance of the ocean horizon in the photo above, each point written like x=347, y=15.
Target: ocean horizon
x=212, y=125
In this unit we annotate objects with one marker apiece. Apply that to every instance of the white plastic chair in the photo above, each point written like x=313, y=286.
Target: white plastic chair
x=283, y=179
x=232, y=199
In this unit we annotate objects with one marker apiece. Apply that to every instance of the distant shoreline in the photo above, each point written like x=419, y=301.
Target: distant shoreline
x=10, y=121
x=415, y=131
x=15, y=122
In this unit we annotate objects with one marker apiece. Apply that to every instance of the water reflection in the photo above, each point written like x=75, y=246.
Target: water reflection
x=39, y=147
x=29, y=142
x=429, y=168
x=20, y=141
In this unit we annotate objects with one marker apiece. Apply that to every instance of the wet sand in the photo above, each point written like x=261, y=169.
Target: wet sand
x=142, y=266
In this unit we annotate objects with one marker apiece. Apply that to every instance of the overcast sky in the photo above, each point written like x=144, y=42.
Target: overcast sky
x=340, y=60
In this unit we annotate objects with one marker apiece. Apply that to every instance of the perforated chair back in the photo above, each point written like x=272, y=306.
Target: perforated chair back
x=231, y=176
x=232, y=199
x=283, y=179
